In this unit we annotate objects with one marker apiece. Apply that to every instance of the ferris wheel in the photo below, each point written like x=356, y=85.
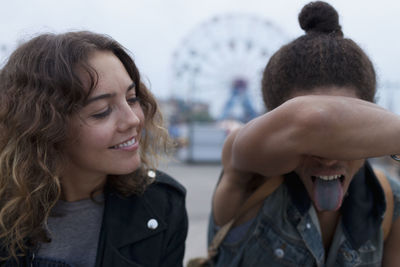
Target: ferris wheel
x=220, y=63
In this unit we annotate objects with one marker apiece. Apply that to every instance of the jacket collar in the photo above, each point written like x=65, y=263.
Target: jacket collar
x=362, y=209
x=126, y=219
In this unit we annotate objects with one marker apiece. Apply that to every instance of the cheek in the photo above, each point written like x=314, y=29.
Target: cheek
x=85, y=136
x=139, y=112
x=304, y=165
x=96, y=137
x=356, y=165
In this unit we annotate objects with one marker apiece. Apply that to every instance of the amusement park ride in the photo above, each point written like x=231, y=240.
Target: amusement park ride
x=219, y=66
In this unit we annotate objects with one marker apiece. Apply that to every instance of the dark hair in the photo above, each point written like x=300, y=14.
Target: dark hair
x=321, y=57
x=40, y=88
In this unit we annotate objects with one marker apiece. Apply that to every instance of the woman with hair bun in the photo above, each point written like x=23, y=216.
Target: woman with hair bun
x=80, y=136
x=321, y=127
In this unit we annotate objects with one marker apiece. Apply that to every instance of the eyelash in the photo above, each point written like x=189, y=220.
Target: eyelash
x=102, y=114
x=131, y=101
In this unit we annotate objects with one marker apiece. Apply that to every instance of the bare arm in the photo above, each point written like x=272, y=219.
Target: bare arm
x=332, y=127
x=231, y=190
x=391, y=255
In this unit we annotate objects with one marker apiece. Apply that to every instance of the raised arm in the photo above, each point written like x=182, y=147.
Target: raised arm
x=332, y=127
x=232, y=188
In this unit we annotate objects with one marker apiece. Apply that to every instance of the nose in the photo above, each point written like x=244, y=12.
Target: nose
x=325, y=161
x=129, y=117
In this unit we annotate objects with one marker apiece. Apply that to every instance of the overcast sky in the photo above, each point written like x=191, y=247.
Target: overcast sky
x=153, y=29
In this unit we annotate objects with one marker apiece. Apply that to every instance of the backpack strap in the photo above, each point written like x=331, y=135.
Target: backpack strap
x=388, y=217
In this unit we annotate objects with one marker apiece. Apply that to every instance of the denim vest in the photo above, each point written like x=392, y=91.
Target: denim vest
x=286, y=230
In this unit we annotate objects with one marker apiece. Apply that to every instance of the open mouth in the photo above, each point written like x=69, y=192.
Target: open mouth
x=328, y=191
x=127, y=143
x=329, y=177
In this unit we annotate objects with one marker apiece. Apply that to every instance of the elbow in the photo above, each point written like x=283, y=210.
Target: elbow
x=290, y=130
x=310, y=118
x=311, y=124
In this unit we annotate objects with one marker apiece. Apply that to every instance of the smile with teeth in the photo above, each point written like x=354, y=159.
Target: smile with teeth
x=329, y=177
x=128, y=143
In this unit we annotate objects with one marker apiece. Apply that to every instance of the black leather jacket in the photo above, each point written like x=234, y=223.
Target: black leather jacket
x=147, y=230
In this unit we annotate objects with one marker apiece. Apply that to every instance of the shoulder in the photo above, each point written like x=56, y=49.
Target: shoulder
x=166, y=182
x=395, y=186
x=164, y=190
x=164, y=196
x=167, y=197
x=392, y=244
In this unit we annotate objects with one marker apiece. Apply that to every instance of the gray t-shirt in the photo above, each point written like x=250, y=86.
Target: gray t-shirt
x=74, y=230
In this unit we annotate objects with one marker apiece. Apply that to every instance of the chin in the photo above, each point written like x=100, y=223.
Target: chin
x=126, y=168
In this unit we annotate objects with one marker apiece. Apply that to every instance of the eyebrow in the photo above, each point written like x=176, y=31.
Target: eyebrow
x=132, y=86
x=103, y=96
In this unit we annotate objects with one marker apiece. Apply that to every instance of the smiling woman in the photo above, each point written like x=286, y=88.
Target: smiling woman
x=104, y=135
x=80, y=139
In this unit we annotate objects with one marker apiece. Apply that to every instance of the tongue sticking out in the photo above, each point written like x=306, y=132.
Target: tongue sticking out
x=327, y=194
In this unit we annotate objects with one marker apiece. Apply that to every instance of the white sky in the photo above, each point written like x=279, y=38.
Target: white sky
x=153, y=29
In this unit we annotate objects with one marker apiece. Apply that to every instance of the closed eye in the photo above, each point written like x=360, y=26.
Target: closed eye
x=102, y=115
x=133, y=100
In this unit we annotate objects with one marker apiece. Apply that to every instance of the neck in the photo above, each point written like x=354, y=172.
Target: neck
x=328, y=221
x=80, y=187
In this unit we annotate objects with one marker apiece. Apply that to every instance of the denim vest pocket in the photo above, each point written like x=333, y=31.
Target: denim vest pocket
x=271, y=247
x=367, y=255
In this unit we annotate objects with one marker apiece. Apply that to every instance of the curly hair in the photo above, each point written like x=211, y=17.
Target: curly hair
x=40, y=89
x=320, y=58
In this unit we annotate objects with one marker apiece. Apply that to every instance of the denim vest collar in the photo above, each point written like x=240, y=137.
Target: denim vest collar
x=362, y=209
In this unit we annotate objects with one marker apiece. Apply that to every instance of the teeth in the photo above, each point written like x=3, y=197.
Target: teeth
x=329, y=177
x=128, y=143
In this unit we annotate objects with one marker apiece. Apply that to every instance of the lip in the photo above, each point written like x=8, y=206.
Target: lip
x=341, y=177
x=126, y=146
x=328, y=172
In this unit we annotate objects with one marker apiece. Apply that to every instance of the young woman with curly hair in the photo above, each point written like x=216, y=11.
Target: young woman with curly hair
x=80, y=137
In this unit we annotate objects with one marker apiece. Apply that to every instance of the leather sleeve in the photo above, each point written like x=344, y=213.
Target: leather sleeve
x=177, y=232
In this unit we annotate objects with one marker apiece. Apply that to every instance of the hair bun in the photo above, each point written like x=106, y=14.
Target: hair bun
x=319, y=17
